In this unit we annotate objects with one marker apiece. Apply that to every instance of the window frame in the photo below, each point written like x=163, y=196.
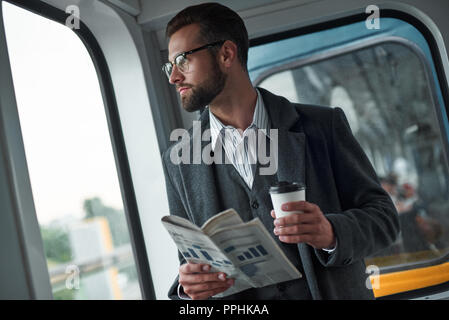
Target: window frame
x=384, y=13
x=366, y=44
x=437, y=109
x=298, y=63
x=117, y=140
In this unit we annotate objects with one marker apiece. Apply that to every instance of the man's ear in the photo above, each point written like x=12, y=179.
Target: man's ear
x=228, y=53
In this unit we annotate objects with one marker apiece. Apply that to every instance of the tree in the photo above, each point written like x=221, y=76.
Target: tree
x=56, y=244
x=94, y=207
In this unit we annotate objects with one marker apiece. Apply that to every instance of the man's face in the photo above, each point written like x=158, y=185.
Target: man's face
x=204, y=80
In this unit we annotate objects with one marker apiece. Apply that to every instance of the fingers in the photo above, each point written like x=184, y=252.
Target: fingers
x=194, y=268
x=296, y=218
x=188, y=278
x=305, y=208
x=209, y=292
x=310, y=226
x=304, y=238
x=297, y=229
x=297, y=233
x=207, y=286
x=192, y=273
x=299, y=206
x=199, y=283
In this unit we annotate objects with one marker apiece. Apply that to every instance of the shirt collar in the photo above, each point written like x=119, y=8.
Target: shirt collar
x=261, y=120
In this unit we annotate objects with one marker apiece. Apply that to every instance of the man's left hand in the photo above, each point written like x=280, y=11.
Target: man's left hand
x=311, y=226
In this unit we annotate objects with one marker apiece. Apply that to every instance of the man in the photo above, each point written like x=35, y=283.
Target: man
x=347, y=215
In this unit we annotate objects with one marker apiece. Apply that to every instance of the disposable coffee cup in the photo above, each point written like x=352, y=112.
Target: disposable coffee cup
x=284, y=192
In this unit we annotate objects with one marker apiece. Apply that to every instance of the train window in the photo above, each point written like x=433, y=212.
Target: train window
x=70, y=160
x=385, y=82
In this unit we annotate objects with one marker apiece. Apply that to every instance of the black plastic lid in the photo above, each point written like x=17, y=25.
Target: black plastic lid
x=284, y=186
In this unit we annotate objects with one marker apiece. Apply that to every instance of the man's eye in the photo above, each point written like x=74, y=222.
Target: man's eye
x=181, y=61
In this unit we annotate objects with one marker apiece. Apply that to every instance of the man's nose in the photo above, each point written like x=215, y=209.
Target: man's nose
x=176, y=75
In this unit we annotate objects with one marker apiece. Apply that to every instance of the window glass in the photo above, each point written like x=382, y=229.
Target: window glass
x=70, y=160
x=386, y=88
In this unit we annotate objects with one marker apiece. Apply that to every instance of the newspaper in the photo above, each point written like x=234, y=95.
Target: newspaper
x=244, y=251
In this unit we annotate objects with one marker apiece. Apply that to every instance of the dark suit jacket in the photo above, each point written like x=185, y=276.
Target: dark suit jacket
x=316, y=147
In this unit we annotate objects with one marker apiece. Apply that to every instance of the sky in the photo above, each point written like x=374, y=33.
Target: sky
x=66, y=138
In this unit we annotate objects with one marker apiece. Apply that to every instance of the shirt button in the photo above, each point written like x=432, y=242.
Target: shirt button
x=255, y=204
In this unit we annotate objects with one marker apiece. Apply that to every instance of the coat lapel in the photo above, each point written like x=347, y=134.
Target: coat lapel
x=291, y=163
x=291, y=141
x=291, y=156
x=199, y=179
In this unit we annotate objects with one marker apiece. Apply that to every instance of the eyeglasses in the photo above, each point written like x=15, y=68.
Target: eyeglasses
x=181, y=59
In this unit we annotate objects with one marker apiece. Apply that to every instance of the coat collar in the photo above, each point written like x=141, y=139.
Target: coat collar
x=291, y=141
x=284, y=118
x=273, y=104
x=282, y=114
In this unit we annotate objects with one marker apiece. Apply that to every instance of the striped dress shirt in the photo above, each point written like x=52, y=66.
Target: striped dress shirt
x=241, y=147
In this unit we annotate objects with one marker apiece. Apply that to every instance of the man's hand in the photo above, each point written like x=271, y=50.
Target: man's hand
x=198, y=283
x=311, y=226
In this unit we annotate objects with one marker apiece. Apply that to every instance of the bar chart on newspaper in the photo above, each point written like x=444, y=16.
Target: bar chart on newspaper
x=243, y=250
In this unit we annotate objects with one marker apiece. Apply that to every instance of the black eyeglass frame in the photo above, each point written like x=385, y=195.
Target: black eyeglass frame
x=165, y=66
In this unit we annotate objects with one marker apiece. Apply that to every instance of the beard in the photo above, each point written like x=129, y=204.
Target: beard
x=204, y=93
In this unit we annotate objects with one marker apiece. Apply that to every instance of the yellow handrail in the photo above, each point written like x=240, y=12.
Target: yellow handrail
x=401, y=281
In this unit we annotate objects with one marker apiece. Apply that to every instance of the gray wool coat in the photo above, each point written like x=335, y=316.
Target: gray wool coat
x=315, y=147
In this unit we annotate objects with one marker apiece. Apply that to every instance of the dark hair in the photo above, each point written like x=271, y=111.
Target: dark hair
x=216, y=23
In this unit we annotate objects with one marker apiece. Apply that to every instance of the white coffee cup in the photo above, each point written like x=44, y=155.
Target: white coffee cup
x=284, y=192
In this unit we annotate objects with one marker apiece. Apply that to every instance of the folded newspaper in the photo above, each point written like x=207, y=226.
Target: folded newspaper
x=244, y=251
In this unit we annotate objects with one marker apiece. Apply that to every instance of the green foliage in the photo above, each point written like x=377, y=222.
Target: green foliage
x=64, y=294
x=94, y=207
x=56, y=244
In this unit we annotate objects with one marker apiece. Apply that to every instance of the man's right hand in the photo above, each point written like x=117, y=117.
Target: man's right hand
x=198, y=283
